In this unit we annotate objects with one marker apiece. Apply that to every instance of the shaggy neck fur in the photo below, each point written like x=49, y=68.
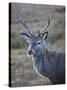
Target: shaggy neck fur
x=42, y=65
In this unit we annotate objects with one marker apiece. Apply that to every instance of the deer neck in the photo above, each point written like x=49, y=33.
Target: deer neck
x=41, y=64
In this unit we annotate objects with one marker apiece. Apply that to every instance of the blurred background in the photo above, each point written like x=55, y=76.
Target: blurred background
x=36, y=16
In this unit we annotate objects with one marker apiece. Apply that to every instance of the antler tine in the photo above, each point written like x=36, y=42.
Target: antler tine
x=25, y=25
x=39, y=33
x=48, y=22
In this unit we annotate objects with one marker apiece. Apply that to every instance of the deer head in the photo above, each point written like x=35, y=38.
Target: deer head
x=36, y=43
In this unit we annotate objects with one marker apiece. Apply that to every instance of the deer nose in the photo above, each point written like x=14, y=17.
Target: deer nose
x=29, y=52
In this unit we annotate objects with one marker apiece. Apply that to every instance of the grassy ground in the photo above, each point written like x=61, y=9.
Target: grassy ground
x=36, y=16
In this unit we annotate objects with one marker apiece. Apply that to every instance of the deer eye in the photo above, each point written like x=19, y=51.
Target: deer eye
x=39, y=43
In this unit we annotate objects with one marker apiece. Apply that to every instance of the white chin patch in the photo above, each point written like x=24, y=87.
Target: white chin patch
x=29, y=55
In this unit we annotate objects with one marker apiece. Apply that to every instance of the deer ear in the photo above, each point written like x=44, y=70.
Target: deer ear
x=26, y=37
x=44, y=35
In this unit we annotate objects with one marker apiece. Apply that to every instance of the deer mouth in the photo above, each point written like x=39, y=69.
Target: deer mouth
x=30, y=52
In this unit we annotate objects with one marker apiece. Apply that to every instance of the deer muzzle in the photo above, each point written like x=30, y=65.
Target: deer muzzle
x=30, y=52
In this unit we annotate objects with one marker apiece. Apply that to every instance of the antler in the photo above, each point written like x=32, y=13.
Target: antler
x=39, y=33
x=45, y=32
x=48, y=23
x=25, y=25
